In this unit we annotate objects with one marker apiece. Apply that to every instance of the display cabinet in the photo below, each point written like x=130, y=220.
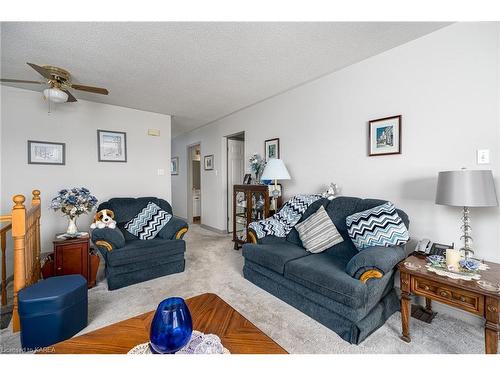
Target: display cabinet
x=250, y=203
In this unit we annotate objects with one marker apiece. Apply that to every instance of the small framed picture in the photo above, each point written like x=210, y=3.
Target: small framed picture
x=112, y=146
x=174, y=165
x=247, y=179
x=40, y=152
x=272, y=148
x=384, y=136
x=209, y=162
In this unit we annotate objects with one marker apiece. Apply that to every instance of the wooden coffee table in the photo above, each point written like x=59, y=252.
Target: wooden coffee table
x=210, y=314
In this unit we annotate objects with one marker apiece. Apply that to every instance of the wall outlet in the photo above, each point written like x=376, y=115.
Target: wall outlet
x=154, y=132
x=483, y=156
x=161, y=172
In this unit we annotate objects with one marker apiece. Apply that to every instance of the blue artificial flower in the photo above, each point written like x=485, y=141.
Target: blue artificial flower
x=470, y=264
x=85, y=190
x=71, y=200
x=63, y=192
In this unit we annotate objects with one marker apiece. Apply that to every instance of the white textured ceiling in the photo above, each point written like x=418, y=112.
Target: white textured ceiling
x=197, y=72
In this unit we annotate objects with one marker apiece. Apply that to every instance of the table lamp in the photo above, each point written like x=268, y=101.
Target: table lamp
x=466, y=188
x=275, y=170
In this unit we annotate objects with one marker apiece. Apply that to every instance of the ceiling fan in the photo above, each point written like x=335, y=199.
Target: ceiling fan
x=59, y=81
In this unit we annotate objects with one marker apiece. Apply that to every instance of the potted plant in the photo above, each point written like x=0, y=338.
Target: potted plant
x=73, y=203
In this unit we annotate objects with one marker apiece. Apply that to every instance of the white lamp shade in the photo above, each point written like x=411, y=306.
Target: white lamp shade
x=275, y=170
x=55, y=95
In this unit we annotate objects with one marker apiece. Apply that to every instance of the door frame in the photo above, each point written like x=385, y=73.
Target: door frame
x=189, y=183
x=236, y=135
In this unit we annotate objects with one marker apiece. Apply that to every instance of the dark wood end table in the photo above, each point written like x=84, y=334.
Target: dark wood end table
x=465, y=295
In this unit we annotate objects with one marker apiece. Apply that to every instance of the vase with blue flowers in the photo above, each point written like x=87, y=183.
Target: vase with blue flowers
x=73, y=203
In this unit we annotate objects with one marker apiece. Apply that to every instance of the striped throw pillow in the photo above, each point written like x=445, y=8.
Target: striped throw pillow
x=149, y=222
x=378, y=226
x=318, y=232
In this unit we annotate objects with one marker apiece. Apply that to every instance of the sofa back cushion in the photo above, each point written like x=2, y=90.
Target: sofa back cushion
x=125, y=209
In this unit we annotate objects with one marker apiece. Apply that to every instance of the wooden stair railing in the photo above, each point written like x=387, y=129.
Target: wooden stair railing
x=3, y=245
x=26, y=246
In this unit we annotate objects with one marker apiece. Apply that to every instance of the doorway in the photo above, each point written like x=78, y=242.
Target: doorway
x=194, y=184
x=235, y=170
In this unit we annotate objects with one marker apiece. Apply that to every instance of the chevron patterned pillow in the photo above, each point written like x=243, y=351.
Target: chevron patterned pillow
x=378, y=226
x=149, y=222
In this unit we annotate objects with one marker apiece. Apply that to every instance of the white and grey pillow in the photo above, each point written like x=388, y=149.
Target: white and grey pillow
x=318, y=232
x=149, y=222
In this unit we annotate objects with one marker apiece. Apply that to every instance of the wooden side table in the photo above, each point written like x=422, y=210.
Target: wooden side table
x=71, y=257
x=465, y=295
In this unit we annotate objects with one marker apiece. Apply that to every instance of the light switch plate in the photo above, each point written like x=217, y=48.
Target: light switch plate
x=483, y=156
x=161, y=172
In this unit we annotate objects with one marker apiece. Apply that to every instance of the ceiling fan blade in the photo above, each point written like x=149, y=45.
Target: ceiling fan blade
x=20, y=81
x=71, y=98
x=44, y=72
x=95, y=90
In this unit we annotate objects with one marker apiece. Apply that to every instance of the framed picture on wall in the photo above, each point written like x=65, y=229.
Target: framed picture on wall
x=40, y=152
x=384, y=136
x=174, y=165
x=112, y=146
x=272, y=148
x=209, y=162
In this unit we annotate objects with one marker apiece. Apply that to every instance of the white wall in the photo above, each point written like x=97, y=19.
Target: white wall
x=24, y=116
x=446, y=87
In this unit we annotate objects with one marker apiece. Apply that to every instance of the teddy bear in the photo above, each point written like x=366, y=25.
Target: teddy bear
x=103, y=219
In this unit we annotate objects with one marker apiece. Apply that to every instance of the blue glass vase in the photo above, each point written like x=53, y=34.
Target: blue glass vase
x=171, y=327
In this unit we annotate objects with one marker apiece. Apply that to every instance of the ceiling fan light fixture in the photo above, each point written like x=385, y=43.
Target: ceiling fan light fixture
x=55, y=95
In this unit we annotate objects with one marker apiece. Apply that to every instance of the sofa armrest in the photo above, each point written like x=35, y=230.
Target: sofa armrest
x=174, y=230
x=108, y=238
x=374, y=262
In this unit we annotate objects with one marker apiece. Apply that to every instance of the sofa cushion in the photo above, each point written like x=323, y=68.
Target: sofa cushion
x=377, y=226
x=148, y=222
x=325, y=274
x=139, y=251
x=317, y=232
x=293, y=236
x=273, y=256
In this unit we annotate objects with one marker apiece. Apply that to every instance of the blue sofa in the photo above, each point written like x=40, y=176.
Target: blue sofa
x=349, y=291
x=130, y=260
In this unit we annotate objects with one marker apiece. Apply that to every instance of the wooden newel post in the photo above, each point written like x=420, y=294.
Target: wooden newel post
x=18, y=236
x=36, y=197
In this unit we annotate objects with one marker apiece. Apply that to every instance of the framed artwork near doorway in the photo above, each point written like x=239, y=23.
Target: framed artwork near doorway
x=272, y=148
x=384, y=136
x=174, y=165
x=209, y=162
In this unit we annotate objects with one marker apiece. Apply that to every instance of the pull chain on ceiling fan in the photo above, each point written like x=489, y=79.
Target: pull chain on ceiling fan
x=59, y=83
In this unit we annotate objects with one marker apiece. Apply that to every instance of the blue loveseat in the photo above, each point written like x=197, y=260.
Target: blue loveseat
x=349, y=291
x=130, y=260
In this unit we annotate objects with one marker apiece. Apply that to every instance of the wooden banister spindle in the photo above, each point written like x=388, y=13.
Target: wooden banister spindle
x=18, y=237
x=36, y=201
x=3, y=244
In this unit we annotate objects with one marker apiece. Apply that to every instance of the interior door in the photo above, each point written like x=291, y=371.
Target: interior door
x=235, y=174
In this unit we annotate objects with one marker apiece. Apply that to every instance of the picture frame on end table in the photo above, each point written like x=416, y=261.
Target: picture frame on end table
x=384, y=136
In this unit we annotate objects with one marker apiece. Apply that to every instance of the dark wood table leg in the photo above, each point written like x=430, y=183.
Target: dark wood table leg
x=405, y=306
x=491, y=327
x=428, y=305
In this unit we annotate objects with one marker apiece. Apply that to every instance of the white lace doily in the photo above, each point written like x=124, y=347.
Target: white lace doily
x=199, y=343
x=454, y=275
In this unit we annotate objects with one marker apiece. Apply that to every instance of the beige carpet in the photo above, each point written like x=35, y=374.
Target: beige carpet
x=213, y=266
